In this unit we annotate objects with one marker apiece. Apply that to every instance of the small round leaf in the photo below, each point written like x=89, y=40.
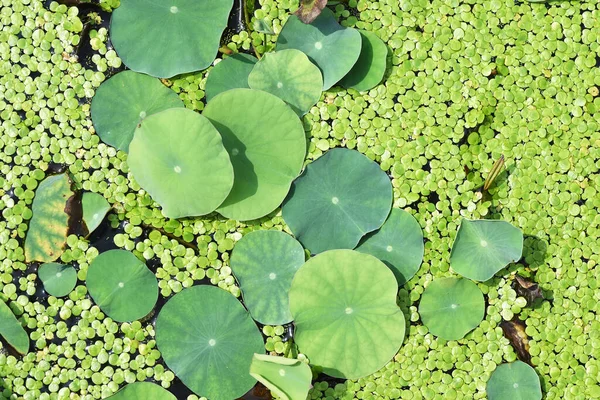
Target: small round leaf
x=289, y=75
x=94, y=208
x=337, y=200
x=142, y=391
x=123, y=101
x=484, y=247
x=345, y=313
x=207, y=339
x=58, y=279
x=267, y=145
x=121, y=285
x=371, y=65
x=168, y=38
x=514, y=381
x=398, y=243
x=231, y=73
x=264, y=263
x=178, y=157
x=451, y=307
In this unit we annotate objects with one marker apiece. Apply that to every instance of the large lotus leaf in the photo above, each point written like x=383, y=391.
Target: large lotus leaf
x=344, y=308
x=451, y=307
x=142, y=391
x=58, y=279
x=12, y=331
x=287, y=378
x=514, y=381
x=267, y=145
x=94, y=208
x=123, y=101
x=167, y=38
x=49, y=224
x=121, y=285
x=178, y=157
x=484, y=247
x=370, y=67
x=337, y=200
x=333, y=48
x=231, y=73
x=398, y=243
x=289, y=75
x=207, y=339
x=264, y=263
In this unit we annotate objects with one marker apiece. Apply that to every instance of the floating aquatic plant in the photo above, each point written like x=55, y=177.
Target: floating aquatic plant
x=58, y=279
x=94, y=209
x=230, y=73
x=287, y=378
x=142, y=390
x=370, y=66
x=11, y=329
x=514, y=381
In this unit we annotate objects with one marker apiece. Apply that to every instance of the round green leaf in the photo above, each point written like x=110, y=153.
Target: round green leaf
x=451, y=307
x=123, y=101
x=371, y=65
x=289, y=75
x=288, y=378
x=266, y=142
x=484, y=247
x=169, y=37
x=142, y=391
x=231, y=73
x=122, y=286
x=337, y=200
x=11, y=329
x=58, y=279
x=398, y=243
x=264, y=263
x=514, y=381
x=178, y=157
x=333, y=48
x=207, y=339
x=344, y=308
x=94, y=208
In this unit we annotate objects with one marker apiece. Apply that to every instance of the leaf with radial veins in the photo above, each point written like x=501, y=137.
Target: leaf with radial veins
x=95, y=208
x=371, y=65
x=12, y=331
x=231, y=73
x=142, y=391
x=59, y=280
x=178, y=157
x=288, y=378
x=484, y=247
x=344, y=308
x=123, y=101
x=49, y=225
x=514, y=381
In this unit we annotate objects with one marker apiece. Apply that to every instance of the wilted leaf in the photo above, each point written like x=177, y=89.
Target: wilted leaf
x=494, y=172
x=527, y=289
x=310, y=9
x=514, y=331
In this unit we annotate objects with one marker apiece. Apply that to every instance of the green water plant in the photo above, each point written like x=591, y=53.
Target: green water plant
x=179, y=36
x=123, y=101
x=344, y=308
x=333, y=48
x=266, y=143
x=59, y=280
x=484, y=247
x=514, y=381
x=11, y=329
x=398, y=243
x=230, y=73
x=178, y=157
x=264, y=263
x=49, y=225
x=208, y=339
x=338, y=199
x=287, y=378
x=370, y=66
x=451, y=307
x=122, y=285
x=289, y=75
x=95, y=207
x=141, y=391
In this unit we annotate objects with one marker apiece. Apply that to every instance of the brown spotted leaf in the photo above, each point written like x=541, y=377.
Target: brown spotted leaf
x=514, y=331
x=49, y=224
x=527, y=289
x=310, y=9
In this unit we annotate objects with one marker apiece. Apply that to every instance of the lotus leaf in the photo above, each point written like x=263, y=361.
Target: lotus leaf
x=95, y=208
x=58, y=279
x=267, y=145
x=484, y=247
x=172, y=37
x=333, y=48
x=121, y=285
x=338, y=199
x=287, y=378
x=12, y=331
x=344, y=308
x=264, y=263
x=398, y=243
x=178, y=157
x=207, y=339
x=371, y=65
x=451, y=307
x=142, y=391
x=289, y=75
x=231, y=73
x=123, y=101
x=514, y=381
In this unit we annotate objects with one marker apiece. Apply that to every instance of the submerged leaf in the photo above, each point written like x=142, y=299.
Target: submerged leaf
x=310, y=9
x=527, y=289
x=49, y=225
x=288, y=378
x=11, y=329
x=514, y=331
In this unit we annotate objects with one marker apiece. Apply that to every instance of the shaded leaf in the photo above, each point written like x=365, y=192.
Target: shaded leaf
x=370, y=66
x=310, y=9
x=231, y=73
x=514, y=331
x=527, y=289
x=11, y=329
